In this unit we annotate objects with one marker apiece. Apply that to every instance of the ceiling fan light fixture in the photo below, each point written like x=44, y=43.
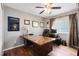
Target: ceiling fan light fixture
x=47, y=10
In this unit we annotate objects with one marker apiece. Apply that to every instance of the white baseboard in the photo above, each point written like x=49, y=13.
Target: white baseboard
x=13, y=47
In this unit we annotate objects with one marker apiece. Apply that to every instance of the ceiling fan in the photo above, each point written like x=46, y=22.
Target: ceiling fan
x=48, y=8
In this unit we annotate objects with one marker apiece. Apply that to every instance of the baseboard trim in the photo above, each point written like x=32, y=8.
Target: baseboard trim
x=13, y=47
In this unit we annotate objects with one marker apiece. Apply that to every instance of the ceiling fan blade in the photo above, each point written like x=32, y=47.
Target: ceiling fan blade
x=42, y=11
x=55, y=7
x=39, y=7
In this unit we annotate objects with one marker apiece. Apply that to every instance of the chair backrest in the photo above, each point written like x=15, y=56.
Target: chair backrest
x=53, y=31
x=45, y=32
x=30, y=34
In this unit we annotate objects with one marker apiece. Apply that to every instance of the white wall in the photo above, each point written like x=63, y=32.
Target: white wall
x=13, y=36
x=1, y=30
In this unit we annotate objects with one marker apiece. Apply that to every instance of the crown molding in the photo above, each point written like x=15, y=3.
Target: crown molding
x=65, y=14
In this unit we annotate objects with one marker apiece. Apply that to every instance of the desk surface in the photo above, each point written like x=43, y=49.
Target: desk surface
x=39, y=40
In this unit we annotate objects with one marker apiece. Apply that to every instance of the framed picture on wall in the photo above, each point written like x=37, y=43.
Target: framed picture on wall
x=47, y=24
x=35, y=23
x=41, y=24
x=26, y=22
x=13, y=23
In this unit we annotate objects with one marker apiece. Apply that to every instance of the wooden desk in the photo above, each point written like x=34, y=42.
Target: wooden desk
x=41, y=45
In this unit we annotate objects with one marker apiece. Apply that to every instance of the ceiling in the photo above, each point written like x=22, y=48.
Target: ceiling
x=30, y=8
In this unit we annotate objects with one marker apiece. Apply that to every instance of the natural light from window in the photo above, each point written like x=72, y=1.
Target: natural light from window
x=61, y=24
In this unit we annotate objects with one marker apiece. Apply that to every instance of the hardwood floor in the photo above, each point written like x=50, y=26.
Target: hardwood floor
x=63, y=51
x=20, y=51
x=57, y=51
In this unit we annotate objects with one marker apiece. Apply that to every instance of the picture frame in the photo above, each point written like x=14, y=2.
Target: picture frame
x=48, y=24
x=35, y=24
x=26, y=22
x=41, y=24
x=13, y=23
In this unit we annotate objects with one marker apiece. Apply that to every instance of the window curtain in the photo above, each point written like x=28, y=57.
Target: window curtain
x=51, y=22
x=73, y=42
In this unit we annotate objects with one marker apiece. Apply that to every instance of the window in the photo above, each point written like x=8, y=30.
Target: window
x=61, y=24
